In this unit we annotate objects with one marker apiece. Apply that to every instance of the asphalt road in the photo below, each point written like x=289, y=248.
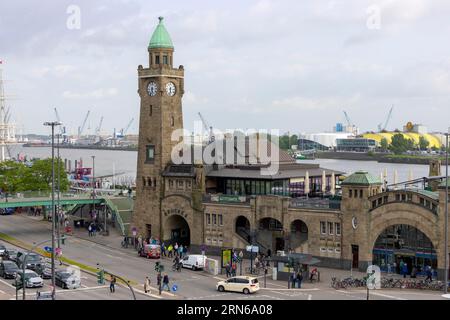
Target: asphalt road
x=192, y=285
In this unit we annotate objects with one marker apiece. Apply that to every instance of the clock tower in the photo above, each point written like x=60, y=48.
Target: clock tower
x=160, y=88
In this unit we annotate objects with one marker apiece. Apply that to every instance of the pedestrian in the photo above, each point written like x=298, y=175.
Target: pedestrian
x=233, y=269
x=163, y=249
x=314, y=273
x=293, y=278
x=147, y=285
x=429, y=274
x=166, y=282
x=90, y=230
x=401, y=266
x=180, y=251
x=299, y=279
x=405, y=270
x=112, y=287
x=170, y=249
x=228, y=270
x=175, y=247
x=94, y=229
x=269, y=253
x=185, y=250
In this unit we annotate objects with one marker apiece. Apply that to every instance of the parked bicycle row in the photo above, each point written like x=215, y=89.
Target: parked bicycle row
x=389, y=283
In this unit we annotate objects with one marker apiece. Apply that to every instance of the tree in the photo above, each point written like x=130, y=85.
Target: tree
x=423, y=143
x=293, y=140
x=384, y=144
x=400, y=144
x=284, y=142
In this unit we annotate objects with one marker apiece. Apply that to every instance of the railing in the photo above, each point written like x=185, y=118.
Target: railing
x=245, y=234
x=116, y=213
x=413, y=197
x=316, y=203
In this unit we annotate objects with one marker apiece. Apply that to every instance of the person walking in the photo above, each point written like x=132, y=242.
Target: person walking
x=158, y=280
x=401, y=265
x=166, y=282
x=293, y=278
x=299, y=279
x=180, y=251
x=90, y=230
x=414, y=272
x=170, y=249
x=163, y=249
x=405, y=270
x=112, y=285
x=429, y=274
x=175, y=248
x=233, y=269
x=147, y=285
x=228, y=270
x=185, y=250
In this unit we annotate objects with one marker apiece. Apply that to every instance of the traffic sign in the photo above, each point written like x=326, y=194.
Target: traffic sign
x=134, y=231
x=174, y=287
x=48, y=249
x=254, y=249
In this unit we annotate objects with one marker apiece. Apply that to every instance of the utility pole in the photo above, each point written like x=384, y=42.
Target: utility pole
x=58, y=231
x=446, y=217
x=93, y=185
x=53, y=125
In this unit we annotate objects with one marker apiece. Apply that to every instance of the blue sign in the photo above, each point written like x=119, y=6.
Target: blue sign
x=48, y=249
x=174, y=287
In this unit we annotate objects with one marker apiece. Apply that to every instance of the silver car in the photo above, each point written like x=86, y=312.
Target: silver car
x=32, y=279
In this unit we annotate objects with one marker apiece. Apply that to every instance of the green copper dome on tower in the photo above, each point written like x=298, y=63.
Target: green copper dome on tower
x=160, y=37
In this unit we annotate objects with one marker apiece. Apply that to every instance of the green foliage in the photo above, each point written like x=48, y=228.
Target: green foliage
x=423, y=143
x=286, y=142
x=384, y=144
x=400, y=144
x=17, y=177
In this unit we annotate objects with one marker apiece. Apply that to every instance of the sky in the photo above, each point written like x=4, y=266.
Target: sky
x=292, y=65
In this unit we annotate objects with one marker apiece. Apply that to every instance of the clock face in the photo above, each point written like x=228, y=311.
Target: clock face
x=354, y=223
x=170, y=89
x=152, y=88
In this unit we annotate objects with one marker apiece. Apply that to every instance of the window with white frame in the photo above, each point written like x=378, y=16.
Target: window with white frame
x=323, y=249
x=323, y=227
x=337, y=227
x=330, y=228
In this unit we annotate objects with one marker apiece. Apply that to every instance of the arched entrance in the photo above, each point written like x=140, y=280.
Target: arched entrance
x=401, y=243
x=299, y=235
x=242, y=228
x=270, y=234
x=177, y=230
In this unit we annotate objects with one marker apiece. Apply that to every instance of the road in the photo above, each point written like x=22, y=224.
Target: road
x=192, y=285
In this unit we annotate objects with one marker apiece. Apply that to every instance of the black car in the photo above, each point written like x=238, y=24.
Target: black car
x=2, y=250
x=8, y=269
x=10, y=254
x=33, y=261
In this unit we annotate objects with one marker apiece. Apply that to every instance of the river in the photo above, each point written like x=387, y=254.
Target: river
x=125, y=162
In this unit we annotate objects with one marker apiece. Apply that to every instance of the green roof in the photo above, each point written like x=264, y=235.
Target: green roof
x=160, y=37
x=361, y=178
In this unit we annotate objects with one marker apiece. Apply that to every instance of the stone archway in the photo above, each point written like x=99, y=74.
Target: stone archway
x=404, y=244
x=270, y=234
x=298, y=235
x=176, y=229
x=242, y=228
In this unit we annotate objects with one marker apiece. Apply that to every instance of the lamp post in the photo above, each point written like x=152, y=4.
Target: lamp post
x=58, y=231
x=53, y=125
x=446, y=218
x=93, y=185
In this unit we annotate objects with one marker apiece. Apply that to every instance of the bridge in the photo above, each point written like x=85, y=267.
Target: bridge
x=121, y=207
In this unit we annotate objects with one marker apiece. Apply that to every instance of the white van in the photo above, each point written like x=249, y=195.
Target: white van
x=194, y=261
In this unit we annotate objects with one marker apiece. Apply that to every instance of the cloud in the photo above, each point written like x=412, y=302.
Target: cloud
x=96, y=94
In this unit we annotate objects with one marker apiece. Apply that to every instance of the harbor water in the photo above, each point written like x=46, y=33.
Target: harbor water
x=108, y=162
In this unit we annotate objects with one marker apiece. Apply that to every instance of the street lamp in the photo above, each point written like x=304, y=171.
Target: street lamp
x=53, y=125
x=446, y=217
x=93, y=185
x=58, y=231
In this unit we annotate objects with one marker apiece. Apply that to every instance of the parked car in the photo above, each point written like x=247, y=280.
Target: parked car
x=2, y=250
x=45, y=269
x=32, y=279
x=10, y=254
x=194, y=261
x=242, y=284
x=8, y=269
x=33, y=261
x=67, y=280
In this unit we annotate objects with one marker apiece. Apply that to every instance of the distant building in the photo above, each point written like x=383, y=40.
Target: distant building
x=356, y=145
x=321, y=141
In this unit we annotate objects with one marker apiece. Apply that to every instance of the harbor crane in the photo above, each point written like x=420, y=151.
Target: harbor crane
x=81, y=129
x=208, y=128
x=99, y=128
x=389, y=117
x=124, y=131
x=62, y=129
x=350, y=124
